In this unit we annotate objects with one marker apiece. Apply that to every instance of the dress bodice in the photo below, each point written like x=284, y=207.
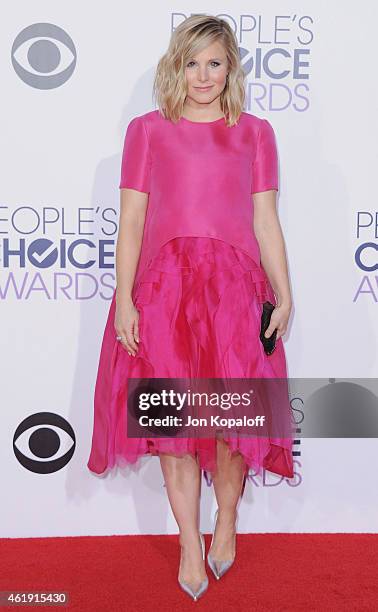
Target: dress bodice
x=200, y=177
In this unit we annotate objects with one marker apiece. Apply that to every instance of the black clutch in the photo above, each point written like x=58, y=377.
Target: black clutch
x=269, y=344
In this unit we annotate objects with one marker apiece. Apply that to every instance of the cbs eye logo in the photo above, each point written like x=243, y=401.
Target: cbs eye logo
x=44, y=56
x=40, y=437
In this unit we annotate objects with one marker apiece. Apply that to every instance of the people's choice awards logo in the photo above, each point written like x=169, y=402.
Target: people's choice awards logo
x=44, y=56
x=44, y=443
x=366, y=255
x=75, y=263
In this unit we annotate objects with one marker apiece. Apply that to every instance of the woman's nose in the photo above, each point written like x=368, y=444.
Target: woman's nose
x=202, y=74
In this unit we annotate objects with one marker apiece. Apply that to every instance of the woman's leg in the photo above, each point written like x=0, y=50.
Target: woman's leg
x=183, y=483
x=228, y=482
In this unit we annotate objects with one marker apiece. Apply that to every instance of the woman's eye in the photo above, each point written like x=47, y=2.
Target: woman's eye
x=214, y=62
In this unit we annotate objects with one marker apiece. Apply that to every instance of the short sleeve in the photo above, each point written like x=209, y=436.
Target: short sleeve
x=136, y=162
x=265, y=165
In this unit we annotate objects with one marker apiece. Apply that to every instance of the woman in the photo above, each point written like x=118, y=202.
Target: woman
x=198, y=210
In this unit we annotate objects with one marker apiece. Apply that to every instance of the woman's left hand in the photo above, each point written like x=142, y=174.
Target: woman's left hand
x=279, y=320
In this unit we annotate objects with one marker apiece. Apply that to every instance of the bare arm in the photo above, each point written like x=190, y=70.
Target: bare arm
x=269, y=235
x=133, y=208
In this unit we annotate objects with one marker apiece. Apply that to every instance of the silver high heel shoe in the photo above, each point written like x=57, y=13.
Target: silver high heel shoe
x=219, y=568
x=204, y=584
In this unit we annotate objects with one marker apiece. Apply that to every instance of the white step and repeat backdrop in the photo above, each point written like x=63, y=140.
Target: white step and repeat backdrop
x=73, y=75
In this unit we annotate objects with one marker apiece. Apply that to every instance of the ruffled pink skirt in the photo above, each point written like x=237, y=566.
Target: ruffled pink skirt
x=199, y=303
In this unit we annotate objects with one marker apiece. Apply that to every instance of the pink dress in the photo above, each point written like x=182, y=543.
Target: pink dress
x=199, y=284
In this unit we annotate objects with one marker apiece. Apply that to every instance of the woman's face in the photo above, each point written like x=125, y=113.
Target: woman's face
x=206, y=74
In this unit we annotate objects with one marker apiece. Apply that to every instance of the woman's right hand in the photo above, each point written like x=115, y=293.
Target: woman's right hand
x=126, y=324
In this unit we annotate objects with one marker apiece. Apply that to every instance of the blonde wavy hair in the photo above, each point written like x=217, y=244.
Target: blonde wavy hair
x=189, y=38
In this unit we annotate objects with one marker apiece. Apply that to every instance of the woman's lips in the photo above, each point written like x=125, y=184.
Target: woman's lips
x=204, y=88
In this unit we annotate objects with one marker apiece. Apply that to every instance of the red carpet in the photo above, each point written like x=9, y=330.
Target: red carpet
x=138, y=573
